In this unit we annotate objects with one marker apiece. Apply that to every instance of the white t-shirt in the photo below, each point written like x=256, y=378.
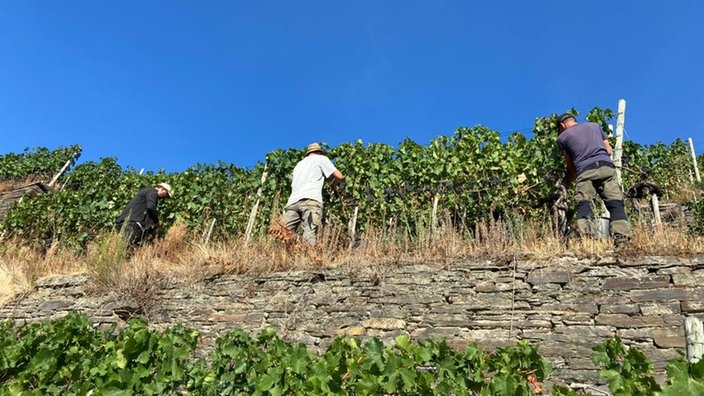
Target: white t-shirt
x=308, y=178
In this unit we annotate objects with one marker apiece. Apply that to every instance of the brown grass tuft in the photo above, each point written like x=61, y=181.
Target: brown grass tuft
x=135, y=276
x=21, y=266
x=174, y=241
x=663, y=240
x=131, y=277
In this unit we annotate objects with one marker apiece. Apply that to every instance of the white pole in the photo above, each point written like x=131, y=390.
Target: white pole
x=353, y=227
x=210, y=232
x=203, y=234
x=694, y=336
x=253, y=213
x=694, y=160
x=618, y=150
x=66, y=165
x=616, y=153
x=434, y=216
x=656, y=209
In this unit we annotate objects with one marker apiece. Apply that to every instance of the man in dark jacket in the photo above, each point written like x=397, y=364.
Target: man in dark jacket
x=588, y=156
x=141, y=218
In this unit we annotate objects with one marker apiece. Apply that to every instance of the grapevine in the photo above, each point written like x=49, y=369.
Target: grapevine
x=462, y=178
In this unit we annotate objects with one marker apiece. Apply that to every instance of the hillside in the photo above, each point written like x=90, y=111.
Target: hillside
x=465, y=195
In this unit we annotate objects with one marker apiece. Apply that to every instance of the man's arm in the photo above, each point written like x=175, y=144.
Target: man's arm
x=336, y=178
x=151, y=207
x=570, y=171
x=607, y=145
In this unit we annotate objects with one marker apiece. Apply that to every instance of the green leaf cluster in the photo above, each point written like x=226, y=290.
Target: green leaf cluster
x=69, y=356
x=627, y=370
x=37, y=163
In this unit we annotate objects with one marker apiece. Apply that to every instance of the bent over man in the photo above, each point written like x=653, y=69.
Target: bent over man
x=305, y=205
x=141, y=218
x=588, y=156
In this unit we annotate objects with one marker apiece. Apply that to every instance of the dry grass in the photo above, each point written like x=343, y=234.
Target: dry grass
x=137, y=275
x=21, y=266
x=664, y=240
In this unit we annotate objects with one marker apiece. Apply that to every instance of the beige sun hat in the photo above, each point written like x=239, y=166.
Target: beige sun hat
x=167, y=187
x=313, y=148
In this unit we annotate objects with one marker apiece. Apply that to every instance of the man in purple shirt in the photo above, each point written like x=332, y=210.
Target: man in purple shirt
x=588, y=156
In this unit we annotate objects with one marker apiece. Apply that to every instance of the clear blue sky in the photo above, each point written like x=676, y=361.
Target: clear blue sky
x=168, y=84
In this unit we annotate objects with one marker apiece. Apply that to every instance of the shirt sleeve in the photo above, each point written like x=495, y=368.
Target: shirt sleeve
x=151, y=206
x=600, y=130
x=327, y=167
x=560, y=146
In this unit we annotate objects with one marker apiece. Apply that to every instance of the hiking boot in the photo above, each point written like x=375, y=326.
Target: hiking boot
x=621, y=240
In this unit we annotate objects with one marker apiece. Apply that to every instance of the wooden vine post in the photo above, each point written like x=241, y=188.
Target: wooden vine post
x=655, y=202
x=694, y=334
x=694, y=160
x=618, y=149
x=63, y=169
x=434, y=213
x=253, y=213
x=353, y=228
x=206, y=240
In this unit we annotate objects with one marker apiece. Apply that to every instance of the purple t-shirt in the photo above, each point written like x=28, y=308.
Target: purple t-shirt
x=584, y=143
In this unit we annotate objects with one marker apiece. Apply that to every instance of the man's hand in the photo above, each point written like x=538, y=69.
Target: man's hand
x=571, y=172
x=336, y=178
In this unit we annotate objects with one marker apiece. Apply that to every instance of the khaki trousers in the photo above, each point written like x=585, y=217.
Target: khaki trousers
x=308, y=213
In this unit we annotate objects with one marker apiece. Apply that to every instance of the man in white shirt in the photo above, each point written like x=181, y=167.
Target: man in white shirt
x=305, y=205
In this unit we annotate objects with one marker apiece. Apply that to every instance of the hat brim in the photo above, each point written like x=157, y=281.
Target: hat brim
x=168, y=192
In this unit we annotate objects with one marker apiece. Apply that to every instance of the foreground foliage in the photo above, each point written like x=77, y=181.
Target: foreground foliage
x=68, y=356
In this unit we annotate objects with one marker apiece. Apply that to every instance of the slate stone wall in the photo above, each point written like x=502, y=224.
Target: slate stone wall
x=566, y=305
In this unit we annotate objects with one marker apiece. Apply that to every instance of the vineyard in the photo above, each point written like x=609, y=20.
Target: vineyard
x=454, y=181
x=401, y=196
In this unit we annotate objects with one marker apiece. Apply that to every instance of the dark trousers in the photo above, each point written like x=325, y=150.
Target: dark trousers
x=134, y=231
x=600, y=181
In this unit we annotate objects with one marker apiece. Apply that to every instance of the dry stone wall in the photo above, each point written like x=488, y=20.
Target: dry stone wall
x=566, y=305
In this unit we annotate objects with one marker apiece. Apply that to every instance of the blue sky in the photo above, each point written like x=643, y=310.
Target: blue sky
x=168, y=84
